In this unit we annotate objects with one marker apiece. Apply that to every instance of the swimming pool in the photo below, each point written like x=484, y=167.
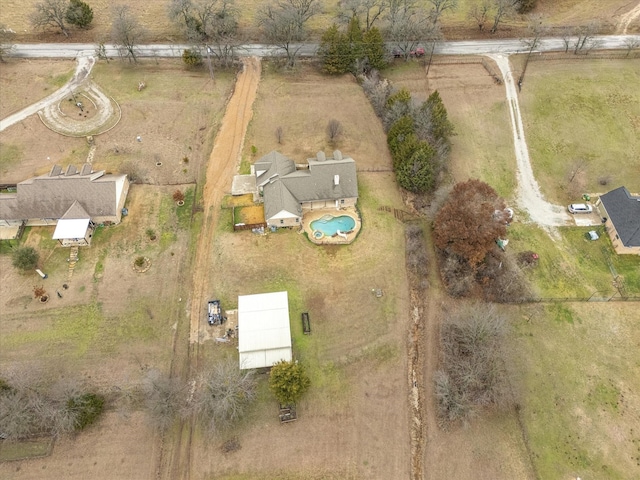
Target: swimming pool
x=329, y=224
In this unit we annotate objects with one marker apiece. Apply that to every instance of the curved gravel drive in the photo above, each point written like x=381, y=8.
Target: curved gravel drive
x=529, y=196
x=85, y=64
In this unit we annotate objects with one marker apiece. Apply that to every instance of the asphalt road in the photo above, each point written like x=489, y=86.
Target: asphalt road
x=465, y=47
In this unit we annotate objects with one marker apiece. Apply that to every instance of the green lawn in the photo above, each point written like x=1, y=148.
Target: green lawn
x=583, y=116
x=572, y=266
x=580, y=389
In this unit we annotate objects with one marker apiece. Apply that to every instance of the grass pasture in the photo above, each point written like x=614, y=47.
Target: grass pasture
x=580, y=385
x=572, y=266
x=583, y=116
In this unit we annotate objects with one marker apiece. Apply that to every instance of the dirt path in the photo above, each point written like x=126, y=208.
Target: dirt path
x=175, y=457
x=85, y=64
x=220, y=170
x=530, y=197
x=627, y=18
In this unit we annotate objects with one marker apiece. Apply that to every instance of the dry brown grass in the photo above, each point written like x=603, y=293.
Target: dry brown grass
x=153, y=16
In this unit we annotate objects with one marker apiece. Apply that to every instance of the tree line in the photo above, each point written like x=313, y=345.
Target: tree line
x=39, y=402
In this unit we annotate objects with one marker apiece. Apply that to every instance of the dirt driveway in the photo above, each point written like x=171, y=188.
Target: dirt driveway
x=223, y=163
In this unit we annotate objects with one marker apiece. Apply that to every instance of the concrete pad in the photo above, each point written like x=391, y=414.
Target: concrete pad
x=243, y=184
x=8, y=233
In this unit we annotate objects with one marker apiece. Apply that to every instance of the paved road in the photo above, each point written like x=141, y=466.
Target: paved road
x=466, y=47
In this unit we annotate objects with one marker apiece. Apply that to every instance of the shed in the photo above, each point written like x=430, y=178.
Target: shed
x=264, y=333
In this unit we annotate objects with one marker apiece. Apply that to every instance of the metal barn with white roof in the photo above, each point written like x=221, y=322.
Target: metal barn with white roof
x=264, y=334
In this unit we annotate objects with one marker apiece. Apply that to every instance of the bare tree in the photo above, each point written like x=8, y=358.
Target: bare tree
x=223, y=395
x=439, y=7
x=586, y=41
x=537, y=29
x=6, y=37
x=480, y=13
x=367, y=11
x=213, y=23
x=473, y=370
x=631, y=43
x=334, y=130
x=165, y=398
x=279, y=135
x=566, y=35
x=51, y=13
x=408, y=26
x=126, y=32
x=501, y=9
x=283, y=24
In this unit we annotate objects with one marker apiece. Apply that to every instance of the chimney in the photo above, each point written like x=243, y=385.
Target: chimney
x=321, y=156
x=337, y=155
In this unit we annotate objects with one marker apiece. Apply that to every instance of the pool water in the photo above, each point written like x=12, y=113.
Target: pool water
x=329, y=224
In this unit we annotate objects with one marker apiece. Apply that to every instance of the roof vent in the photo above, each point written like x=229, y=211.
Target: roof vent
x=86, y=169
x=55, y=171
x=336, y=180
x=337, y=155
x=71, y=170
x=321, y=156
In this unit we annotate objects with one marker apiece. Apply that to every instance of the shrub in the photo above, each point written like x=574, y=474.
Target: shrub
x=38, y=292
x=178, y=196
x=288, y=381
x=191, y=58
x=139, y=262
x=79, y=14
x=25, y=258
x=86, y=408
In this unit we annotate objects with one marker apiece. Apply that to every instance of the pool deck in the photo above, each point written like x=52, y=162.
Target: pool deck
x=336, y=239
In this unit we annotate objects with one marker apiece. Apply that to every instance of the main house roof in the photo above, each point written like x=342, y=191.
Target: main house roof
x=285, y=187
x=624, y=212
x=67, y=194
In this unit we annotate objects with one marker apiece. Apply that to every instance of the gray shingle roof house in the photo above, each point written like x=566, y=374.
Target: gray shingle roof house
x=72, y=194
x=622, y=211
x=288, y=190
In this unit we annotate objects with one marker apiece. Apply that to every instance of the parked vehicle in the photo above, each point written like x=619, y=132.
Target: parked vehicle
x=215, y=313
x=580, y=208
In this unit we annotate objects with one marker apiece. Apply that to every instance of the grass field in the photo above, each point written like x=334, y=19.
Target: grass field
x=572, y=266
x=581, y=404
x=583, y=117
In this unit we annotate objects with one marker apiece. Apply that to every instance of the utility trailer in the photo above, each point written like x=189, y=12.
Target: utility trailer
x=215, y=313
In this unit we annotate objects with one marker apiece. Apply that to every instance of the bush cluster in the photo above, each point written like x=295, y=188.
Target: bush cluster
x=417, y=135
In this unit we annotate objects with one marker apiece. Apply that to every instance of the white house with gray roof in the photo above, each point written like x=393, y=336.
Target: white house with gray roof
x=72, y=200
x=289, y=190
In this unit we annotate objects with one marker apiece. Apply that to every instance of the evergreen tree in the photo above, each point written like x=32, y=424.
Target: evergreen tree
x=418, y=172
x=374, y=50
x=354, y=39
x=402, y=139
x=334, y=51
x=79, y=14
x=442, y=128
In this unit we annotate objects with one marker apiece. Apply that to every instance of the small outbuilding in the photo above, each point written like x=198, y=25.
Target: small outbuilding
x=264, y=332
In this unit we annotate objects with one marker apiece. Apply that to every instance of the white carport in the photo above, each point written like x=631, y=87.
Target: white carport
x=264, y=334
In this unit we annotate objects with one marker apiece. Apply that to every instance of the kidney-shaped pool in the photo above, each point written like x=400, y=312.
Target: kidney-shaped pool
x=330, y=225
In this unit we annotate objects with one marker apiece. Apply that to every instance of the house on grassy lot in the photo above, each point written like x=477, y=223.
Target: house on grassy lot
x=75, y=201
x=264, y=334
x=622, y=213
x=288, y=189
